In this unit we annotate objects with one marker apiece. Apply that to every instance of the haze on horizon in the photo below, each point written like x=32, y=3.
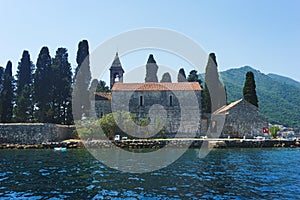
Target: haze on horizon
x=262, y=34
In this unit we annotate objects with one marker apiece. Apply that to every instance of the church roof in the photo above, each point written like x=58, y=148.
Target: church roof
x=153, y=86
x=116, y=63
x=102, y=96
x=224, y=109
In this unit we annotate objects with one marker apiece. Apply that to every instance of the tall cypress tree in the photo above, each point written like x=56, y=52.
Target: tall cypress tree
x=42, y=84
x=1, y=86
x=151, y=70
x=61, y=106
x=7, y=94
x=24, y=104
x=82, y=81
x=181, y=76
x=249, y=90
x=214, y=95
x=166, y=78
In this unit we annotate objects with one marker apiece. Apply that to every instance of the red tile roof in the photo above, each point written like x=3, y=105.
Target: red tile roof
x=151, y=86
x=104, y=95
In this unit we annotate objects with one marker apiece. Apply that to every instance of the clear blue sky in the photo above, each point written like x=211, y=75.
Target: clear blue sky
x=264, y=34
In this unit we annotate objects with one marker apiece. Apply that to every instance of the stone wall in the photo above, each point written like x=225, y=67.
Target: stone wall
x=244, y=120
x=34, y=133
x=180, y=111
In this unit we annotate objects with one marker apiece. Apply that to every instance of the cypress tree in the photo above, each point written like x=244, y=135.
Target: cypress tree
x=249, y=90
x=181, y=76
x=166, y=78
x=82, y=80
x=7, y=94
x=61, y=106
x=1, y=86
x=24, y=104
x=215, y=96
x=42, y=84
x=151, y=70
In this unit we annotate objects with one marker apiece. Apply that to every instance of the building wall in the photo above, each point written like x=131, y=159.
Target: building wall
x=181, y=115
x=101, y=107
x=244, y=120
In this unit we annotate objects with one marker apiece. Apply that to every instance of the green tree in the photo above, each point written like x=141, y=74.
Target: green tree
x=181, y=76
x=61, y=106
x=102, y=87
x=166, y=78
x=7, y=94
x=1, y=86
x=193, y=77
x=82, y=81
x=249, y=90
x=42, y=84
x=24, y=107
x=151, y=70
x=273, y=131
x=216, y=96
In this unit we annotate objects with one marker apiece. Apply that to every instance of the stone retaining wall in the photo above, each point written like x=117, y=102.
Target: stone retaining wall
x=34, y=133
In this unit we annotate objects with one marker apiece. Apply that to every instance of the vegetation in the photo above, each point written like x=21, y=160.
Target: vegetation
x=166, y=78
x=273, y=131
x=151, y=70
x=249, y=90
x=7, y=94
x=24, y=103
x=82, y=81
x=214, y=95
x=42, y=87
x=181, y=76
x=278, y=101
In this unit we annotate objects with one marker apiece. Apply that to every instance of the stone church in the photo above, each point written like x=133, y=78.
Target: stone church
x=176, y=105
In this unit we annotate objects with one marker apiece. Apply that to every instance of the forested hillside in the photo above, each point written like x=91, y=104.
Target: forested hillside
x=278, y=98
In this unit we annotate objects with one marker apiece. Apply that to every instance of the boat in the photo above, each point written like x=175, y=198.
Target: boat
x=61, y=149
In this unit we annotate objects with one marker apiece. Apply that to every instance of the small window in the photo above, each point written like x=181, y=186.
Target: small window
x=101, y=114
x=141, y=101
x=171, y=100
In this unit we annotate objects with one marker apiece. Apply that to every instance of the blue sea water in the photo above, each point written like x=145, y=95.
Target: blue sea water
x=223, y=174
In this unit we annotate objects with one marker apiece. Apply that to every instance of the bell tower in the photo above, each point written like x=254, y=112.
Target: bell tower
x=116, y=71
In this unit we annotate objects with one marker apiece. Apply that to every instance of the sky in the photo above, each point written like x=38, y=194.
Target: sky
x=263, y=34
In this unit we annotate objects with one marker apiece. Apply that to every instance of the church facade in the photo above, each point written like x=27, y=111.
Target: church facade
x=176, y=106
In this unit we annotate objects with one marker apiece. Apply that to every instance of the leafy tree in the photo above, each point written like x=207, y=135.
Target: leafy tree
x=111, y=123
x=215, y=89
x=166, y=78
x=181, y=76
x=151, y=70
x=102, y=87
x=24, y=103
x=82, y=80
x=249, y=90
x=273, y=131
x=193, y=77
x=7, y=94
x=42, y=84
x=61, y=107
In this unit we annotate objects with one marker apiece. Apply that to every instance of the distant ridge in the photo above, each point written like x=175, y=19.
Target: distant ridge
x=284, y=79
x=278, y=95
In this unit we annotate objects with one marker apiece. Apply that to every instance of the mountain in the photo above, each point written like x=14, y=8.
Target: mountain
x=278, y=96
x=284, y=79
